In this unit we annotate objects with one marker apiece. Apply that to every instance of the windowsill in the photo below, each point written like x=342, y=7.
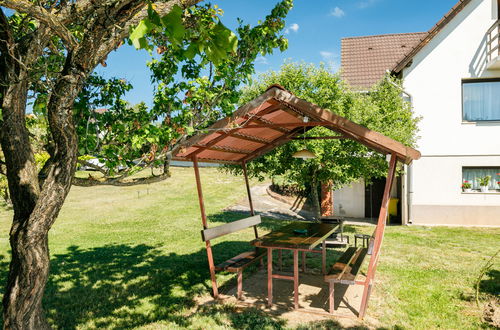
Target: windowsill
x=493, y=192
x=481, y=122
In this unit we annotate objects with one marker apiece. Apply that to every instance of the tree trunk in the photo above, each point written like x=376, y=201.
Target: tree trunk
x=315, y=197
x=35, y=208
x=29, y=267
x=326, y=199
x=22, y=301
x=166, y=163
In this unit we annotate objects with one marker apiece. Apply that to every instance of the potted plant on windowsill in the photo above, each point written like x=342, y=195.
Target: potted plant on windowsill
x=484, y=182
x=466, y=186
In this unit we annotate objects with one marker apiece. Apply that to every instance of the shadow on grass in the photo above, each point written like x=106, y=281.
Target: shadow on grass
x=124, y=286
x=248, y=318
x=491, y=283
x=328, y=324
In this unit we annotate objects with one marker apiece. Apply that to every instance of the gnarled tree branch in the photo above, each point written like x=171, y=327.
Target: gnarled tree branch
x=44, y=16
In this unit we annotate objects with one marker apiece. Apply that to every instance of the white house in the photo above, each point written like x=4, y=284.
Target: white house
x=451, y=75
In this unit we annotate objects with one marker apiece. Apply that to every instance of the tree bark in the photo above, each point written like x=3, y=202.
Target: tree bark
x=315, y=197
x=28, y=269
x=326, y=199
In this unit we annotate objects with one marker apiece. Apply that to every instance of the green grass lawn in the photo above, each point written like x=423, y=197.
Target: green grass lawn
x=132, y=257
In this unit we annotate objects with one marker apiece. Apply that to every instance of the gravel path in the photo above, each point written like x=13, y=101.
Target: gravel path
x=268, y=206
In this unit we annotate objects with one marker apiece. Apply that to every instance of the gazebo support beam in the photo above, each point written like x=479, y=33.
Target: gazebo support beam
x=379, y=236
x=250, y=202
x=210, y=256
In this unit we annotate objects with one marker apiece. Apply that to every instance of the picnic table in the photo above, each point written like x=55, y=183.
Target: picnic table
x=296, y=236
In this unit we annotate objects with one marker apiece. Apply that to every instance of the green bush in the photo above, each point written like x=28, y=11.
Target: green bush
x=4, y=188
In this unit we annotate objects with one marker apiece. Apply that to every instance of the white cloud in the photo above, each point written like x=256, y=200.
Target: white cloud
x=261, y=60
x=293, y=27
x=326, y=55
x=366, y=3
x=330, y=59
x=337, y=12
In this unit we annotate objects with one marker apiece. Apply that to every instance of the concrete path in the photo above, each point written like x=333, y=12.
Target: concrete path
x=268, y=206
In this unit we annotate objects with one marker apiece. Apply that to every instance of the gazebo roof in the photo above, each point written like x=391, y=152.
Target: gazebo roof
x=272, y=119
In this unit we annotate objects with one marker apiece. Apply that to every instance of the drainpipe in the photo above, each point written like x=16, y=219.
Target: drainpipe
x=409, y=175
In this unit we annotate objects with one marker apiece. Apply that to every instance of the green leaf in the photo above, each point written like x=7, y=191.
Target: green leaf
x=174, y=25
x=191, y=51
x=137, y=36
x=153, y=15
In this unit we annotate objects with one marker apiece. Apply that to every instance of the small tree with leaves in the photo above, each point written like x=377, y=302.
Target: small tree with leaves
x=339, y=161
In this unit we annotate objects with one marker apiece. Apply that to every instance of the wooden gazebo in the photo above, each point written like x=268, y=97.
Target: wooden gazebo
x=270, y=120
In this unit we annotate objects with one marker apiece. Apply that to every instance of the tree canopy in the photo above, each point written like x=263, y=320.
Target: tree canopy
x=338, y=161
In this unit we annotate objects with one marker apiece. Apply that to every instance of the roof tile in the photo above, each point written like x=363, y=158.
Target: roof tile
x=364, y=60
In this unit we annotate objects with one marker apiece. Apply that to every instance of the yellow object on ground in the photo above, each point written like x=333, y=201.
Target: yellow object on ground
x=393, y=209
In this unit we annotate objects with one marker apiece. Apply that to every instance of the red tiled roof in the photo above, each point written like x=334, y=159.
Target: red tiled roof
x=365, y=60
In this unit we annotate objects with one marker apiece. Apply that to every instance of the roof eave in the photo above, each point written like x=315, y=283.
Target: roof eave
x=430, y=35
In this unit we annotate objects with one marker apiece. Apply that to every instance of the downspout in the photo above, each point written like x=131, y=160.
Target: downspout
x=409, y=174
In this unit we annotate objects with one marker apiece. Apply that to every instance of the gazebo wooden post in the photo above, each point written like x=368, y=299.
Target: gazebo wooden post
x=250, y=202
x=379, y=236
x=205, y=226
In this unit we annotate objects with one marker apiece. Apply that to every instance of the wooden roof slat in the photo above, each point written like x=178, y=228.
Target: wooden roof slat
x=224, y=149
x=208, y=160
x=275, y=143
x=293, y=125
x=250, y=138
x=269, y=124
x=224, y=123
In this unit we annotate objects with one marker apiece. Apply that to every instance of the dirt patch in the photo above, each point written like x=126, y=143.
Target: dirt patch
x=491, y=313
x=297, y=202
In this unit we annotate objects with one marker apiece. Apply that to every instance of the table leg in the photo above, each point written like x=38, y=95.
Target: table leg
x=269, y=277
x=323, y=257
x=303, y=261
x=296, y=278
x=331, y=297
x=240, y=283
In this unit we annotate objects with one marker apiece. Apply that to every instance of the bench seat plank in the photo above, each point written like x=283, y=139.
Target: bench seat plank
x=347, y=267
x=241, y=261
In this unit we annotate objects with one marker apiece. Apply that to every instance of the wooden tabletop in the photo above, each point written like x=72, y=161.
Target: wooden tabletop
x=285, y=237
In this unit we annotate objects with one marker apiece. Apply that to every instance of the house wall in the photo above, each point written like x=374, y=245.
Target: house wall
x=447, y=143
x=349, y=201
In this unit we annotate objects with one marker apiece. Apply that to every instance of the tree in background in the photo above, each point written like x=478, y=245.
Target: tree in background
x=341, y=161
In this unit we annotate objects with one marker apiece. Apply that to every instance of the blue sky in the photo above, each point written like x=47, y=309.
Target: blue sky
x=314, y=30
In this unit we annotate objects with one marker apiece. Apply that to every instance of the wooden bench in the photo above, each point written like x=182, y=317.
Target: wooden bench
x=346, y=269
x=238, y=263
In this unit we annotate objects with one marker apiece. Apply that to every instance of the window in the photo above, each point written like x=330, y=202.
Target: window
x=473, y=174
x=480, y=99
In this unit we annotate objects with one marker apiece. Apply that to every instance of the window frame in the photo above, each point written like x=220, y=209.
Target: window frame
x=476, y=80
x=475, y=190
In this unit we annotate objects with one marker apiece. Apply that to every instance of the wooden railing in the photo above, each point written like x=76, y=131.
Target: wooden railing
x=493, y=42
